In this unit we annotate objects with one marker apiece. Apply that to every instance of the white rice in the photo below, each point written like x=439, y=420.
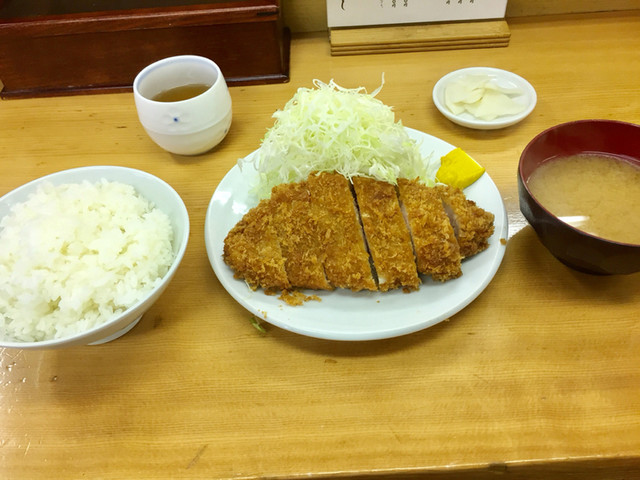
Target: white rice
x=73, y=256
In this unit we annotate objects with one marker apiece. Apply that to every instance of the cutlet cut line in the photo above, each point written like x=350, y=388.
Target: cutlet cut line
x=387, y=235
x=347, y=263
x=405, y=216
x=372, y=266
x=435, y=244
x=473, y=226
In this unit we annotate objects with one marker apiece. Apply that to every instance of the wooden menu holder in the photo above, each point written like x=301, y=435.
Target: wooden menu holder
x=53, y=50
x=419, y=37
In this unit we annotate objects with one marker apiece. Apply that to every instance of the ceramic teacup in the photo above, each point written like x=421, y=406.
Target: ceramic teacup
x=185, y=126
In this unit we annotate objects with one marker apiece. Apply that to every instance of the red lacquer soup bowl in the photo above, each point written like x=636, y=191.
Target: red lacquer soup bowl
x=573, y=247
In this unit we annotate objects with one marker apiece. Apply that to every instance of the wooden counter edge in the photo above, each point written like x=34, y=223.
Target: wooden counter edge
x=605, y=468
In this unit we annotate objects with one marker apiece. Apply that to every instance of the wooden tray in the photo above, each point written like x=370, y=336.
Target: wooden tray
x=58, y=51
x=419, y=37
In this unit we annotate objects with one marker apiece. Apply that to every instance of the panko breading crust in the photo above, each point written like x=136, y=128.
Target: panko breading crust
x=299, y=235
x=323, y=234
x=346, y=261
x=473, y=225
x=387, y=235
x=436, y=248
x=252, y=250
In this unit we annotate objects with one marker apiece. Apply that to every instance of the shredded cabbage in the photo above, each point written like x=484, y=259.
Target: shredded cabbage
x=331, y=128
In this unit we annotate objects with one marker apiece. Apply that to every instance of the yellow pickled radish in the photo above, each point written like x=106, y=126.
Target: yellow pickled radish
x=458, y=169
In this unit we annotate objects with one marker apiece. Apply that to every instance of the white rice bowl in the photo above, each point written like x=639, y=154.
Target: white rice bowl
x=85, y=252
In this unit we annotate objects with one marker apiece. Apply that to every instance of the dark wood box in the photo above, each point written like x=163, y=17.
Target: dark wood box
x=53, y=50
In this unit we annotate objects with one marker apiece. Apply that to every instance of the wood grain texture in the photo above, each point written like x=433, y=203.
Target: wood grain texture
x=420, y=37
x=93, y=51
x=537, y=378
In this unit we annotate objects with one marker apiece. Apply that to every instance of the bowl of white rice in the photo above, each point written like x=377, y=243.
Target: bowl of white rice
x=85, y=253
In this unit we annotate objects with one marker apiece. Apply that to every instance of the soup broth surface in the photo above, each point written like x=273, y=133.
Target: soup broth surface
x=183, y=92
x=595, y=193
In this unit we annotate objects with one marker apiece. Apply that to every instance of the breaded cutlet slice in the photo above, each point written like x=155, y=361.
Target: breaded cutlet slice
x=298, y=235
x=434, y=241
x=387, y=234
x=346, y=262
x=472, y=225
x=252, y=250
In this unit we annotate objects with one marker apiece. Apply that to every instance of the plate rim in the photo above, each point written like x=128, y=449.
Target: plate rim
x=468, y=121
x=243, y=295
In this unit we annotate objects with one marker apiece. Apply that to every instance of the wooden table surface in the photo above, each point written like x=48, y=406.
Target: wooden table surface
x=539, y=376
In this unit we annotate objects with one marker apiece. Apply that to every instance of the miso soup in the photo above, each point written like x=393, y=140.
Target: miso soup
x=595, y=193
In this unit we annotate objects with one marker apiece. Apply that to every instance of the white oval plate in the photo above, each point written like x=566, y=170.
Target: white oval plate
x=502, y=78
x=346, y=315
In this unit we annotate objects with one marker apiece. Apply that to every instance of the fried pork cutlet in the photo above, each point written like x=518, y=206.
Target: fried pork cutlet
x=472, y=225
x=252, y=250
x=387, y=234
x=298, y=235
x=346, y=260
x=323, y=234
x=434, y=242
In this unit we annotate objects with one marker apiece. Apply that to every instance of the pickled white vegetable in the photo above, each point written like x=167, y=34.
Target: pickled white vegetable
x=482, y=97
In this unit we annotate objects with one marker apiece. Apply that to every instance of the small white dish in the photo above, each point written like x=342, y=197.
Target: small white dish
x=503, y=78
